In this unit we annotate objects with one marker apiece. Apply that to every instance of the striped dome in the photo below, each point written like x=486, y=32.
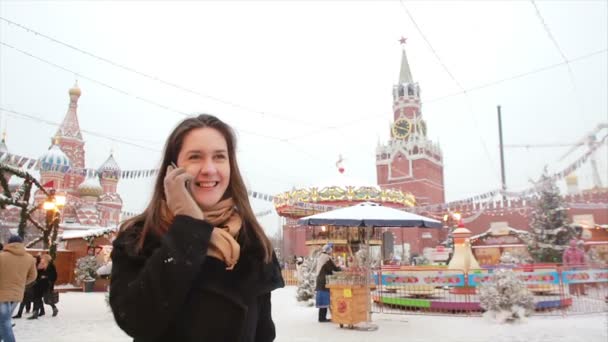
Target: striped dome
x=109, y=168
x=90, y=187
x=54, y=160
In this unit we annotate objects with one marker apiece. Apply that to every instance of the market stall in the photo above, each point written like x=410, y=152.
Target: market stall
x=350, y=295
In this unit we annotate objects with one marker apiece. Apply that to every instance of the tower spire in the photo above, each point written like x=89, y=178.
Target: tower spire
x=69, y=127
x=405, y=75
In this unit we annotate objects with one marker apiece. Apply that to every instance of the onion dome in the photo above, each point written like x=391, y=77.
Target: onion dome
x=54, y=160
x=571, y=179
x=75, y=90
x=90, y=187
x=110, y=168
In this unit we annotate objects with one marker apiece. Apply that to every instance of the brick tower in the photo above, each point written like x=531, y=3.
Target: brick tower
x=410, y=161
x=69, y=139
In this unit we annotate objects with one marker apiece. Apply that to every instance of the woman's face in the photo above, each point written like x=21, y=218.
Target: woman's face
x=204, y=155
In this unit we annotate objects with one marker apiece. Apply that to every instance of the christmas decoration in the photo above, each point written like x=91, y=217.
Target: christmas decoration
x=505, y=297
x=550, y=231
x=86, y=269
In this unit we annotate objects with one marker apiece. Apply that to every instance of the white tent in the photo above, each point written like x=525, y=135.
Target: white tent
x=369, y=214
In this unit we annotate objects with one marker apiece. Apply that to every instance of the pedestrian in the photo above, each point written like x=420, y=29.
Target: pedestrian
x=325, y=266
x=45, y=283
x=28, y=295
x=17, y=268
x=573, y=258
x=196, y=265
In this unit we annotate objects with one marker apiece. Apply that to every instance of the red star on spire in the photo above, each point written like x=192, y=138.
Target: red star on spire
x=402, y=40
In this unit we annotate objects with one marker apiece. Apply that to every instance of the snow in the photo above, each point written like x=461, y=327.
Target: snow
x=86, y=317
x=81, y=234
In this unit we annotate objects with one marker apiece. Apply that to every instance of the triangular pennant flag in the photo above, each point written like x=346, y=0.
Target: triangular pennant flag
x=23, y=161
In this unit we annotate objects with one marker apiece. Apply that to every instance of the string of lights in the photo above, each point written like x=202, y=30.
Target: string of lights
x=281, y=117
x=40, y=120
x=126, y=93
x=561, y=52
x=462, y=89
x=93, y=133
x=516, y=76
x=158, y=79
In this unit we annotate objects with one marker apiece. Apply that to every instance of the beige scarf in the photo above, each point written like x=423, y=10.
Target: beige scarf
x=227, y=224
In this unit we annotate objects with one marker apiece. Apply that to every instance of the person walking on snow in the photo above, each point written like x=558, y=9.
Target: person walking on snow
x=17, y=268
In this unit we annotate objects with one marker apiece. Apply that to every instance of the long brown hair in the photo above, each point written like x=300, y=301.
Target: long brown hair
x=154, y=218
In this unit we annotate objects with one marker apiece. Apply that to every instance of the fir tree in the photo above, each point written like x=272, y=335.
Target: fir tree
x=308, y=279
x=505, y=297
x=550, y=230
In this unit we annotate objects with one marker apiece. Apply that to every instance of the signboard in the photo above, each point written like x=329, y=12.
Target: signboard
x=584, y=276
x=436, y=278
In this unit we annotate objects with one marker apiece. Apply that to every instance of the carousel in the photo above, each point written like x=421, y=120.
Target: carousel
x=342, y=191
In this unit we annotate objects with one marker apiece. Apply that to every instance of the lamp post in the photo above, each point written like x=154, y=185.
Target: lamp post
x=52, y=206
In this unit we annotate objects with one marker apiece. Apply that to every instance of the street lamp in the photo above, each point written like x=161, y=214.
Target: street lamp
x=53, y=205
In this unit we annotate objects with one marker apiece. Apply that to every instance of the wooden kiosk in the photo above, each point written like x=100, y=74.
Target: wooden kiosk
x=348, y=304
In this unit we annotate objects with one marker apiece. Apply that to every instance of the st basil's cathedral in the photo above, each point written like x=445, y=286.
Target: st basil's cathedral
x=92, y=202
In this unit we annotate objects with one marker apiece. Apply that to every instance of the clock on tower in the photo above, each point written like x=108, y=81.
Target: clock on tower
x=401, y=128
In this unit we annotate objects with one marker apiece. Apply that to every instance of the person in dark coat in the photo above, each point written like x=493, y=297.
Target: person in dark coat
x=47, y=275
x=325, y=266
x=195, y=265
x=51, y=272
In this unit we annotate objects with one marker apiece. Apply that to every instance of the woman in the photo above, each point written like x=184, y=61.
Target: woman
x=51, y=272
x=325, y=266
x=45, y=282
x=195, y=265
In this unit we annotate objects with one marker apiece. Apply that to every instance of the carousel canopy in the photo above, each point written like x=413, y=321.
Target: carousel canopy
x=369, y=214
x=340, y=191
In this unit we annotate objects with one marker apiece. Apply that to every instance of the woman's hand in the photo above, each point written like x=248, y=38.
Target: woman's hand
x=178, y=197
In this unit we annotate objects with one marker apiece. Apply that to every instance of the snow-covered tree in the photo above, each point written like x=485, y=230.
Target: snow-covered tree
x=308, y=279
x=505, y=297
x=550, y=230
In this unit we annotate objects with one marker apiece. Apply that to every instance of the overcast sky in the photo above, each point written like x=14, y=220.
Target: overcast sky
x=303, y=82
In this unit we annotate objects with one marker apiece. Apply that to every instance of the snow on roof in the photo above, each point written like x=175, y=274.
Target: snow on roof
x=489, y=232
x=81, y=234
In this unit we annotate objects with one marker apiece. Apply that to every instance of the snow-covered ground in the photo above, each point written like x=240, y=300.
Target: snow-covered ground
x=86, y=317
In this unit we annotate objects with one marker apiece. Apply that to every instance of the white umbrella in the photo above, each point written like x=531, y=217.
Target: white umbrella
x=369, y=214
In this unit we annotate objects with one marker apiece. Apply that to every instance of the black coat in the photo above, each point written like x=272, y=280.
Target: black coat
x=328, y=268
x=45, y=281
x=172, y=291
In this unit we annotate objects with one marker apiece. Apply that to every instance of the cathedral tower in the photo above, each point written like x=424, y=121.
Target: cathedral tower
x=69, y=139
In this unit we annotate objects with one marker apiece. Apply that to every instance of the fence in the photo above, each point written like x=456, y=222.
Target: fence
x=289, y=275
x=557, y=290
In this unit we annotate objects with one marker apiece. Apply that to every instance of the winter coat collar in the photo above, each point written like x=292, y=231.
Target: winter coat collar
x=16, y=248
